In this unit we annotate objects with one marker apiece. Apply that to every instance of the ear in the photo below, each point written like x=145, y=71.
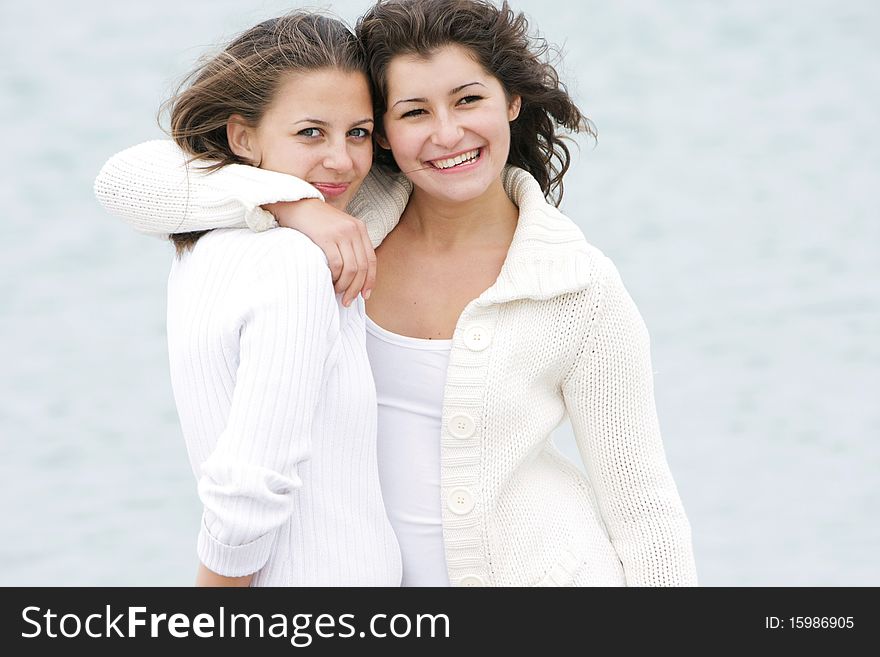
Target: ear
x=383, y=143
x=241, y=139
x=513, y=108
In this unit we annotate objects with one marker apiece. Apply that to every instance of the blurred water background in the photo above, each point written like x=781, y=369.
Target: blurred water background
x=735, y=183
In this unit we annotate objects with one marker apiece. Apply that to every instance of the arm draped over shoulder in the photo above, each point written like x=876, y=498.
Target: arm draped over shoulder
x=154, y=189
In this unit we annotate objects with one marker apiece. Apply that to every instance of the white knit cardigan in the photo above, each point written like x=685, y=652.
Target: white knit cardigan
x=557, y=334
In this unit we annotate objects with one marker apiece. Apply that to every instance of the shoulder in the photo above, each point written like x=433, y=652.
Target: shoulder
x=543, y=222
x=277, y=255
x=561, y=236
x=283, y=242
x=380, y=202
x=549, y=255
x=278, y=244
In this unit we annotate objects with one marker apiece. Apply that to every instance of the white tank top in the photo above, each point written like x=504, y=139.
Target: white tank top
x=410, y=375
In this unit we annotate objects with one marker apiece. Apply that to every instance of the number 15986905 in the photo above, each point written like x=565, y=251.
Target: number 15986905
x=809, y=622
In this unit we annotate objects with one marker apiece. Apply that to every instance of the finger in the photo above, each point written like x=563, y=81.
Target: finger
x=334, y=262
x=370, y=280
x=357, y=283
x=349, y=271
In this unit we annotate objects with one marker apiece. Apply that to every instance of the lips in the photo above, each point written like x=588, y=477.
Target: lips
x=330, y=190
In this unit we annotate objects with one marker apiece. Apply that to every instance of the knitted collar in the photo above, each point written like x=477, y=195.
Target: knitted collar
x=548, y=255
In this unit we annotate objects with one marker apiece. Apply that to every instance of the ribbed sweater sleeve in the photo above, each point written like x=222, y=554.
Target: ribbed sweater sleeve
x=249, y=481
x=155, y=190
x=609, y=396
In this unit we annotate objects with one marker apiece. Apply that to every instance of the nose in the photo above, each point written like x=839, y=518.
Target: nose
x=447, y=131
x=337, y=156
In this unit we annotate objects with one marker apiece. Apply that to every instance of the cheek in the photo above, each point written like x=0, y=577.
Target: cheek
x=286, y=157
x=404, y=140
x=501, y=126
x=498, y=131
x=362, y=156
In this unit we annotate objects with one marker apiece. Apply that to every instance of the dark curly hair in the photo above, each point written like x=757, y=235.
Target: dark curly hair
x=500, y=40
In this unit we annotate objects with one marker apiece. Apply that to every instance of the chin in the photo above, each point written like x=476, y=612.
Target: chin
x=340, y=203
x=461, y=192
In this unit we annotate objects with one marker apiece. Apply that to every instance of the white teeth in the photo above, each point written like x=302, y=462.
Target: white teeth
x=458, y=159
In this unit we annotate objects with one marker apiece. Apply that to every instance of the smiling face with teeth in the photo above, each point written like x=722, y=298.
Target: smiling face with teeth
x=448, y=124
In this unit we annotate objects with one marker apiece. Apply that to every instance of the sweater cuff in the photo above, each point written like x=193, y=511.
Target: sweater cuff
x=259, y=219
x=234, y=560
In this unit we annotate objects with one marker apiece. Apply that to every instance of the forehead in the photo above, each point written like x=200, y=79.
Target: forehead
x=444, y=69
x=324, y=91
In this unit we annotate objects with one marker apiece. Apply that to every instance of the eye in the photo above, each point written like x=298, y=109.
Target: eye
x=412, y=112
x=310, y=132
x=467, y=100
x=359, y=133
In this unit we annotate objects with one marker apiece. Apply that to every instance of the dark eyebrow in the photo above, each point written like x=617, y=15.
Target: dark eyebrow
x=465, y=86
x=410, y=100
x=324, y=123
x=451, y=93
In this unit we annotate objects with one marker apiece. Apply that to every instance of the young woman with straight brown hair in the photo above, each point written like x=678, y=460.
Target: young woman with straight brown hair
x=270, y=372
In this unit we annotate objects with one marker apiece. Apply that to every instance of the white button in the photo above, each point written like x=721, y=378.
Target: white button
x=462, y=426
x=471, y=580
x=476, y=338
x=460, y=501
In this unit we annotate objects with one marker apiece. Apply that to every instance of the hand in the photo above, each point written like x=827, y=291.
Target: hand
x=340, y=236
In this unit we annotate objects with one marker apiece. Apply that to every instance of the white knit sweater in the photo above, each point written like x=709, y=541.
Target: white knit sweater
x=557, y=334
x=278, y=409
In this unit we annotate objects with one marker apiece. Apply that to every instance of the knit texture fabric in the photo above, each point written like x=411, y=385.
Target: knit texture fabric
x=166, y=192
x=278, y=410
x=556, y=335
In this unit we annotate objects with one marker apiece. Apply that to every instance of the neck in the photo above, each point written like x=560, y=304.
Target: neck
x=444, y=224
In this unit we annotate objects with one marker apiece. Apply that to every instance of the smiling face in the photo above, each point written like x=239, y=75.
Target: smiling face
x=317, y=128
x=448, y=124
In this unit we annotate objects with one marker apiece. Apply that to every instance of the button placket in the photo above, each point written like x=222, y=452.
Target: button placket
x=460, y=475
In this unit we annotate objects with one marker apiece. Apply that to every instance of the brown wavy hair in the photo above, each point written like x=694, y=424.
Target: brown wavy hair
x=499, y=39
x=244, y=77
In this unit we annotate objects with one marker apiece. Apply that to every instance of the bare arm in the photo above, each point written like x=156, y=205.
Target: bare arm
x=208, y=578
